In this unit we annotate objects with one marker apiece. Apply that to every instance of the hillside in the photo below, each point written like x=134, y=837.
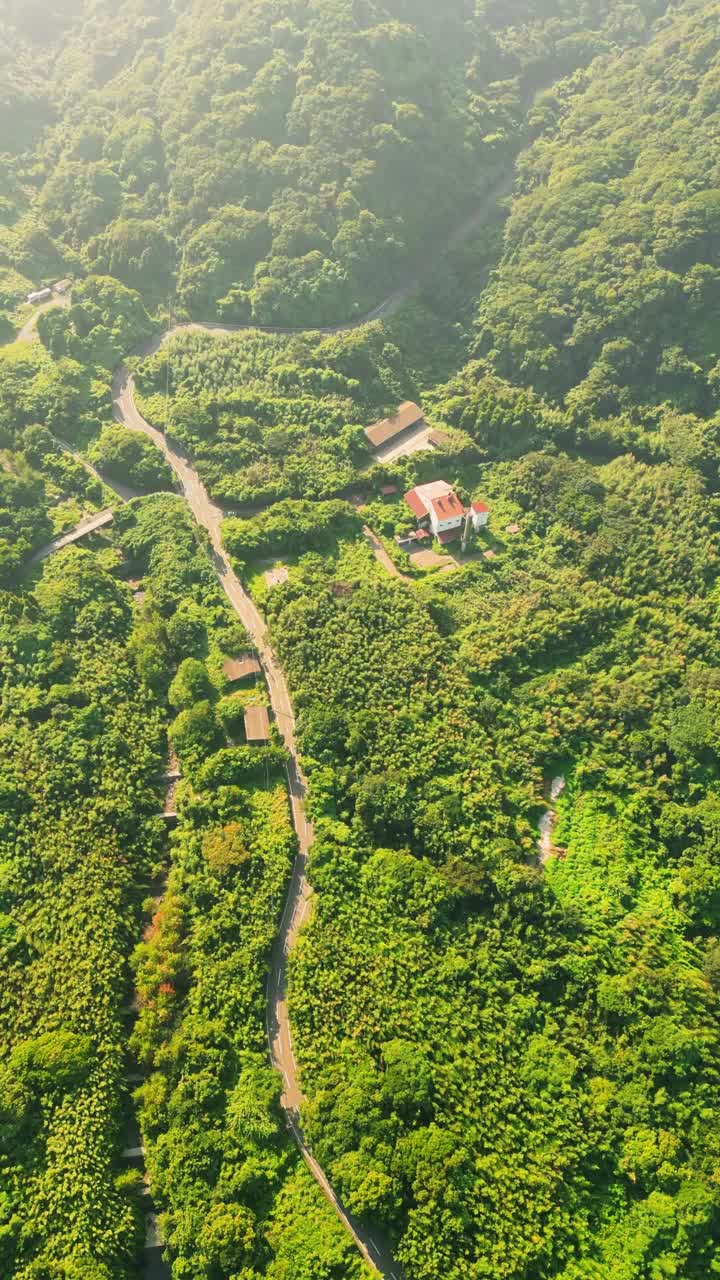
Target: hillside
x=284, y=160
x=507, y=1053
x=607, y=296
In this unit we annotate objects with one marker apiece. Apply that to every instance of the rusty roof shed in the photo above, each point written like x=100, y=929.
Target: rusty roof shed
x=246, y=664
x=408, y=415
x=257, y=724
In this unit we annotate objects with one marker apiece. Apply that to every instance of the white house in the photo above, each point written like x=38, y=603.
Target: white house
x=40, y=295
x=438, y=506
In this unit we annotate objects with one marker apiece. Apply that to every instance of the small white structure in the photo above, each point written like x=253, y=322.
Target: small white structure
x=40, y=295
x=479, y=514
x=438, y=505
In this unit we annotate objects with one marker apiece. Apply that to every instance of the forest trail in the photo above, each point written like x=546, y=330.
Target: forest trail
x=155, y=1266
x=123, y=491
x=297, y=906
x=548, y=821
x=382, y=556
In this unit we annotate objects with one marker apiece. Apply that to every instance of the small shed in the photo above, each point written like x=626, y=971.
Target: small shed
x=257, y=724
x=439, y=440
x=512, y=528
x=388, y=490
x=170, y=813
x=241, y=668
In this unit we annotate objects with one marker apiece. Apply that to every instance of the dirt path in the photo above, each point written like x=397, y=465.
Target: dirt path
x=123, y=491
x=155, y=1266
x=382, y=556
x=29, y=332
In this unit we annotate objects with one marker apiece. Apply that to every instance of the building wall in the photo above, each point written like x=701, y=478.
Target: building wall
x=440, y=526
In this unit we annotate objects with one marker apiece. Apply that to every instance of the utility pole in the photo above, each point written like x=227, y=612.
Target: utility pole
x=466, y=531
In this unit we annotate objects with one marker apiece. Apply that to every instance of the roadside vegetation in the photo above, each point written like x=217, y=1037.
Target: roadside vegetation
x=223, y=1168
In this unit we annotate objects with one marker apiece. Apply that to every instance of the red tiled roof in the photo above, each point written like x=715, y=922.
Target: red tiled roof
x=416, y=504
x=448, y=535
x=422, y=533
x=387, y=489
x=480, y=507
x=448, y=507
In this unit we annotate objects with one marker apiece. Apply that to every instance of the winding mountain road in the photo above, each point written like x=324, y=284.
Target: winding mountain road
x=373, y=1247
x=388, y=307
x=297, y=907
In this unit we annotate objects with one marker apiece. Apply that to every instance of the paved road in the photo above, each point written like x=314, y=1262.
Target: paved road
x=297, y=907
x=81, y=530
x=388, y=307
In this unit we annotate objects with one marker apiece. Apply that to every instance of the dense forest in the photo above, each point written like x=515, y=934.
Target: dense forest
x=510, y=1064
x=79, y=836
x=89, y=681
x=281, y=160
